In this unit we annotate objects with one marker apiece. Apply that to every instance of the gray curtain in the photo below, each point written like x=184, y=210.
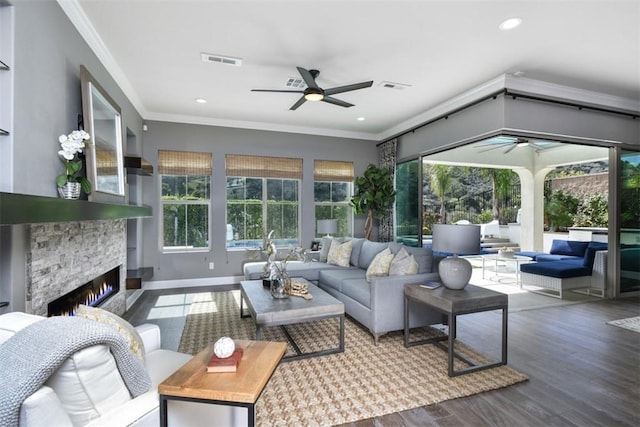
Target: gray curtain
x=387, y=159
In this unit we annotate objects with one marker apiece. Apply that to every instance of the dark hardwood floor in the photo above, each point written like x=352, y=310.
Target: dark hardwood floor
x=582, y=372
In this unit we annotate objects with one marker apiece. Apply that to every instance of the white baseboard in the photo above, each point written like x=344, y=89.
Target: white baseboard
x=190, y=283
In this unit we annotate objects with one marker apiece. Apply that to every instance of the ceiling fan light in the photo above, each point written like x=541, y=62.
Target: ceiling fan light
x=510, y=24
x=313, y=96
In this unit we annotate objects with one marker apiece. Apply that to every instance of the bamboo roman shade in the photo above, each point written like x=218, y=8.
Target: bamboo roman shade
x=332, y=170
x=184, y=163
x=263, y=167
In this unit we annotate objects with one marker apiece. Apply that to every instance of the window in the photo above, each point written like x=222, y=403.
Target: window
x=263, y=194
x=186, y=187
x=333, y=182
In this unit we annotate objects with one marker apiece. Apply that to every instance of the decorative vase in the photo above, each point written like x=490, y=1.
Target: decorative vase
x=71, y=190
x=280, y=284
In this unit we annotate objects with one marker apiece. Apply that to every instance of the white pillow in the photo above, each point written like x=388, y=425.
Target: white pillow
x=380, y=264
x=340, y=253
x=124, y=328
x=89, y=384
x=403, y=264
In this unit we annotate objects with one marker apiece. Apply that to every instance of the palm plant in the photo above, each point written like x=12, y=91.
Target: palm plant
x=441, y=182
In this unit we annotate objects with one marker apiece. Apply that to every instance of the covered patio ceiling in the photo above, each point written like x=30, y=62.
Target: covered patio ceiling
x=511, y=152
x=532, y=159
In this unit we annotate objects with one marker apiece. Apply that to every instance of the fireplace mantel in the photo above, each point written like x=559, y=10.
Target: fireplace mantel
x=28, y=209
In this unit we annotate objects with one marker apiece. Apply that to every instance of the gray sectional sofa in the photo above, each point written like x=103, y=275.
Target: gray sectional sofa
x=378, y=304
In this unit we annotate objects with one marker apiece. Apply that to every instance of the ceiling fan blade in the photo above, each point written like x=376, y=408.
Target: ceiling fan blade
x=347, y=88
x=308, y=78
x=536, y=146
x=300, y=101
x=493, y=147
x=510, y=148
x=335, y=101
x=277, y=90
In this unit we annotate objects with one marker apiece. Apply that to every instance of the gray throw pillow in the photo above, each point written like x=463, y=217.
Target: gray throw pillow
x=424, y=258
x=369, y=251
x=355, y=251
x=324, y=248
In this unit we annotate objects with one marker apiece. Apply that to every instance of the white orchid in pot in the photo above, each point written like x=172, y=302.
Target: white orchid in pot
x=70, y=182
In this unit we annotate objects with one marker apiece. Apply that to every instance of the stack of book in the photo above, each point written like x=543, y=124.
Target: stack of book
x=227, y=364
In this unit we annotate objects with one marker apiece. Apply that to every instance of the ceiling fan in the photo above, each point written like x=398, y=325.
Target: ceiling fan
x=313, y=92
x=511, y=144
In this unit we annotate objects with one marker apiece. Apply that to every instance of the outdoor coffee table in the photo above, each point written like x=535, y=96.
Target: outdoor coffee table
x=242, y=388
x=267, y=311
x=497, y=260
x=471, y=299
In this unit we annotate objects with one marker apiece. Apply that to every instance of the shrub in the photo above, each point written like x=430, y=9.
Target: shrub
x=559, y=210
x=592, y=211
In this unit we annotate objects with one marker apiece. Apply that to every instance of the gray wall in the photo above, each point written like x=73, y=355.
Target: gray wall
x=48, y=52
x=48, y=55
x=558, y=119
x=484, y=117
x=525, y=115
x=221, y=141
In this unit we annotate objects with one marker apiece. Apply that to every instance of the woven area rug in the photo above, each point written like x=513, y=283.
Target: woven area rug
x=631, y=323
x=363, y=382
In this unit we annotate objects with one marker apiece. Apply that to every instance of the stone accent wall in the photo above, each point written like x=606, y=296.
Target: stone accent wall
x=66, y=255
x=581, y=185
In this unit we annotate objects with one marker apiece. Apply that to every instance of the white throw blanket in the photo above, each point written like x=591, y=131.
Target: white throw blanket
x=34, y=353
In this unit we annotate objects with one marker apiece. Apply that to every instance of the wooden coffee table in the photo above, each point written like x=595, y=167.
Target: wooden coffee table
x=241, y=388
x=267, y=311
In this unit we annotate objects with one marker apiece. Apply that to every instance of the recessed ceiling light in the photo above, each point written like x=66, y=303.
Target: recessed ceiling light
x=510, y=24
x=201, y=100
x=361, y=119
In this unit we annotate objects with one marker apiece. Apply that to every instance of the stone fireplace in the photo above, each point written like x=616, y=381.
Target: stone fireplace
x=64, y=256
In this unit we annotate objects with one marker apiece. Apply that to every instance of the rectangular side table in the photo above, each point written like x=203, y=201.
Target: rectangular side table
x=242, y=388
x=471, y=299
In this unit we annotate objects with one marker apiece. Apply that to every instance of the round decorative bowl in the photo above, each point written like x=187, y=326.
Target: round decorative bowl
x=505, y=253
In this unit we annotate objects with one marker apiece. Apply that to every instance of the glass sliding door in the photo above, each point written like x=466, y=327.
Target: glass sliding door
x=629, y=221
x=408, y=203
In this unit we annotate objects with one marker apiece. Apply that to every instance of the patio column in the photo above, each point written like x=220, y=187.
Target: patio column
x=532, y=204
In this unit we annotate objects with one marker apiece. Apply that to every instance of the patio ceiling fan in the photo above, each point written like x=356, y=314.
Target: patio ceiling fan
x=313, y=92
x=511, y=145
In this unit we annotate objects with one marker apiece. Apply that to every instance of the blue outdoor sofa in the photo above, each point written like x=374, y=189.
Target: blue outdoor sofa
x=569, y=265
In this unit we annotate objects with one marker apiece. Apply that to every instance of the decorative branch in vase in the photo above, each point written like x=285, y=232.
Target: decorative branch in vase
x=71, y=181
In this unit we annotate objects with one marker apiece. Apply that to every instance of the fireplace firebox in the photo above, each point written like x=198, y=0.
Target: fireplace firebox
x=93, y=293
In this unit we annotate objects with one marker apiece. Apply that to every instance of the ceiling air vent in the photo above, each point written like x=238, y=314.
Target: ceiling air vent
x=227, y=60
x=295, y=83
x=392, y=85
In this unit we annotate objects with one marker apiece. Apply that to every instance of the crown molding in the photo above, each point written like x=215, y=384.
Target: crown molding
x=79, y=19
x=566, y=93
x=272, y=127
x=465, y=98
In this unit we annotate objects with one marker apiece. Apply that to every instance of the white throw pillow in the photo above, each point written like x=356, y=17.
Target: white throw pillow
x=121, y=326
x=340, y=253
x=403, y=264
x=89, y=384
x=380, y=264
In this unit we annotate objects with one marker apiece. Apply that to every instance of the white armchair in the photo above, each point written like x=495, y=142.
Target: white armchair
x=88, y=390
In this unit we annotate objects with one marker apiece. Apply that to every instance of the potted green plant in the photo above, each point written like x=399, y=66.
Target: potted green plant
x=70, y=182
x=374, y=195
